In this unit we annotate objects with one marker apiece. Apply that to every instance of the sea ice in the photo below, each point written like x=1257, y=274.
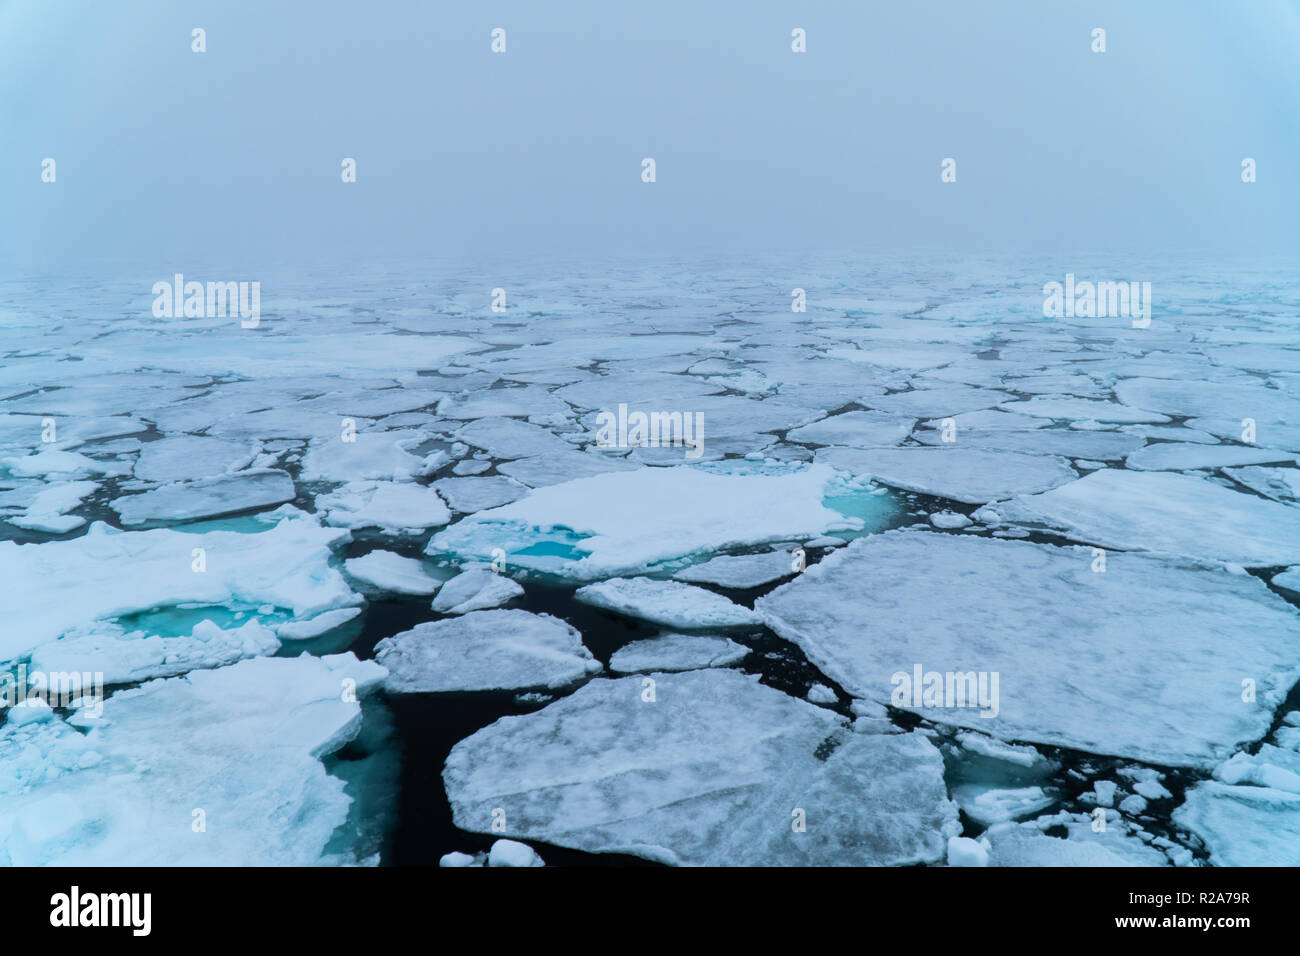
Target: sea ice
x=625, y=522
x=485, y=650
x=125, y=657
x=714, y=769
x=391, y=506
x=865, y=616
x=1243, y=826
x=959, y=473
x=1162, y=511
x=677, y=652
x=475, y=589
x=666, y=603
x=386, y=571
x=207, y=497
x=479, y=494
x=740, y=571
x=238, y=748
x=74, y=583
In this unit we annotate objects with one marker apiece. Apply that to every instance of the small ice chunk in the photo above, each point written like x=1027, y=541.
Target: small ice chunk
x=1105, y=791
x=949, y=520
x=471, y=495
x=513, y=853
x=1133, y=805
x=963, y=851
x=740, y=571
x=387, y=571
x=316, y=626
x=475, y=590
x=391, y=506
x=676, y=652
x=667, y=603
x=821, y=694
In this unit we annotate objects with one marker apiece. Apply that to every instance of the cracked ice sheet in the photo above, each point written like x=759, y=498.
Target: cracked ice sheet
x=186, y=457
x=890, y=602
x=485, y=650
x=206, y=497
x=73, y=584
x=627, y=522
x=369, y=456
x=124, y=657
x=1200, y=399
x=1184, y=456
x=962, y=474
x=1026, y=844
x=1244, y=826
x=391, y=506
x=709, y=774
x=243, y=743
x=1163, y=511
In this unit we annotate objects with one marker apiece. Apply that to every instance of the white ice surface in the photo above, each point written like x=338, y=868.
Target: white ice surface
x=864, y=614
x=711, y=772
x=485, y=650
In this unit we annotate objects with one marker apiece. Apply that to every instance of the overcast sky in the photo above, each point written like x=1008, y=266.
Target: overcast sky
x=166, y=157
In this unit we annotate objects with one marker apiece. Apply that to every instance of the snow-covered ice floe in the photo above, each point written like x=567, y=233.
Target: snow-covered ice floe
x=715, y=769
x=76, y=583
x=485, y=650
x=1144, y=660
x=1162, y=511
x=239, y=747
x=667, y=603
x=677, y=652
x=630, y=521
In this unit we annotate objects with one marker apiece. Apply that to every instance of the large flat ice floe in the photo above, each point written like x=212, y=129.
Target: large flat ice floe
x=960, y=473
x=207, y=497
x=217, y=768
x=716, y=769
x=1161, y=511
x=76, y=583
x=128, y=656
x=1144, y=660
x=485, y=650
x=626, y=522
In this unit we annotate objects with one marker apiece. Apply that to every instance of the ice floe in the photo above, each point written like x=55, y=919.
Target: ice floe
x=206, y=497
x=391, y=506
x=712, y=768
x=217, y=768
x=1163, y=511
x=962, y=474
x=74, y=583
x=385, y=571
x=676, y=652
x=666, y=603
x=624, y=522
x=485, y=650
x=475, y=589
x=740, y=570
x=870, y=621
